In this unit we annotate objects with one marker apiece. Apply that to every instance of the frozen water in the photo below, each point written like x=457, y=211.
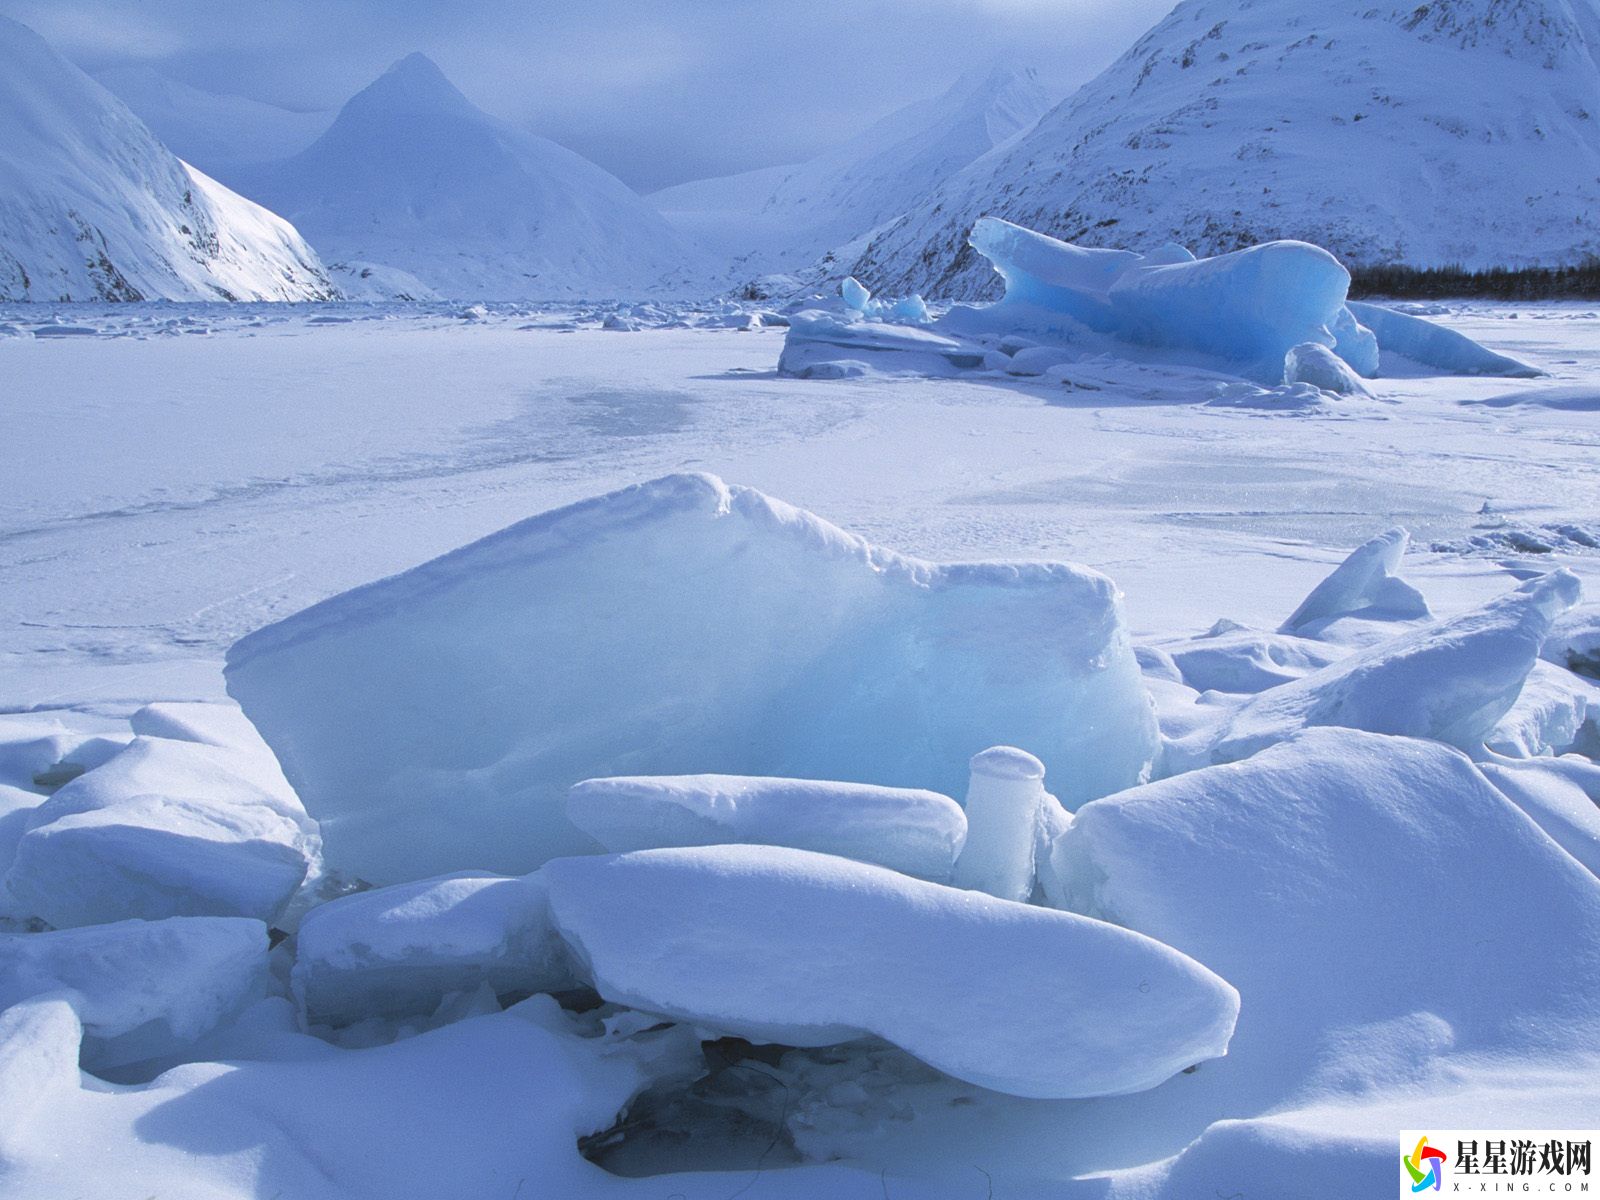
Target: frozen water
x=1450, y=681
x=399, y=951
x=916, y=832
x=1365, y=586
x=1005, y=810
x=434, y=721
x=1250, y=307
x=142, y=989
x=1554, y=711
x=1314, y=363
x=1434, y=345
x=807, y=949
x=165, y=828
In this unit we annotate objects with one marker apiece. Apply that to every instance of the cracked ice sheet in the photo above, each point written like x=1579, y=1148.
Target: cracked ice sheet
x=219, y=482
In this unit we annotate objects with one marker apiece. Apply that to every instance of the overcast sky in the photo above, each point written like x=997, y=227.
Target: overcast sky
x=656, y=91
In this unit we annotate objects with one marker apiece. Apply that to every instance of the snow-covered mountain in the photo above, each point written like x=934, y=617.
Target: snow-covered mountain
x=214, y=131
x=780, y=218
x=412, y=175
x=94, y=207
x=1423, y=133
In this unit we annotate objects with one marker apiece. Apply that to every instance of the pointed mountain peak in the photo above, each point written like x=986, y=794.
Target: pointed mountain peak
x=414, y=84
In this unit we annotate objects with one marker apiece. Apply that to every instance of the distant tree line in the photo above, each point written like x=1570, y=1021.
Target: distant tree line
x=1441, y=283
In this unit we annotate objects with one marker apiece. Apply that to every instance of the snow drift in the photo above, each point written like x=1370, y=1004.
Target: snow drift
x=93, y=207
x=434, y=721
x=807, y=949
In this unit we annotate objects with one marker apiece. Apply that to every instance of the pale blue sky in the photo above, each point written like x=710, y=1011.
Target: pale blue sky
x=657, y=91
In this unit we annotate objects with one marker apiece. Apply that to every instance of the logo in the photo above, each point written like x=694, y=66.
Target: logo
x=1488, y=1162
x=1425, y=1165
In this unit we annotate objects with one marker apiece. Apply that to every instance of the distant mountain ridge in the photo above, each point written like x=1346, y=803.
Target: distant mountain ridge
x=214, y=131
x=412, y=175
x=781, y=218
x=1449, y=132
x=94, y=207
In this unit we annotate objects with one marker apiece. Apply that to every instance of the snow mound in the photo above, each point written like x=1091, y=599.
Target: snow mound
x=1365, y=586
x=806, y=949
x=1562, y=795
x=1344, y=830
x=93, y=207
x=166, y=828
x=435, y=721
x=412, y=175
x=915, y=832
x=399, y=951
x=1450, y=681
x=470, y=1109
x=142, y=989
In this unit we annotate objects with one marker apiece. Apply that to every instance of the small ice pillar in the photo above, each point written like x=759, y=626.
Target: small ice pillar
x=1004, y=799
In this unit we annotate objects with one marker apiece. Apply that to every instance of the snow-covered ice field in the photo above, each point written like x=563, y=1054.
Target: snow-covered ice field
x=179, y=477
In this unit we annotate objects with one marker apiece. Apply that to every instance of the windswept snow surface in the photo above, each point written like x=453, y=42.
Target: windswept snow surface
x=676, y=626
x=93, y=207
x=180, y=477
x=1218, y=128
x=411, y=175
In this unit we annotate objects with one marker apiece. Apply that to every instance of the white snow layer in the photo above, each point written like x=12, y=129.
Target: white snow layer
x=1315, y=874
x=93, y=207
x=167, y=828
x=808, y=949
x=142, y=989
x=1450, y=681
x=434, y=721
x=916, y=832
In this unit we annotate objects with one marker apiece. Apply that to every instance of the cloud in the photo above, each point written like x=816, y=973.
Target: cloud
x=656, y=91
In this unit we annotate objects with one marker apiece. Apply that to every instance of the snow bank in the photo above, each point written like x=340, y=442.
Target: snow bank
x=1435, y=346
x=1343, y=879
x=916, y=832
x=1561, y=795
x=1574, y=641
x=434, y=721
x=806, y=949
x=142, y=989
x=399, y=951
x=1450, y=681
x=492, y=1106
x=1233, y=659
x=166, y=828
x=1366, y=585
x=1553, y=712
